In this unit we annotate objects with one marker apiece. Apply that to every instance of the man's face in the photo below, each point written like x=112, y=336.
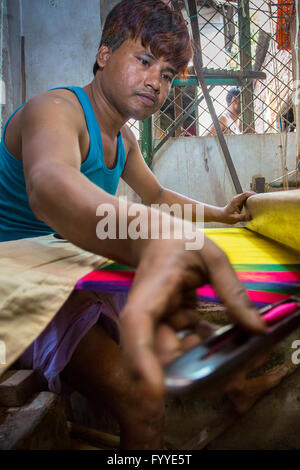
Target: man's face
x=235, y=105
x=134, y=81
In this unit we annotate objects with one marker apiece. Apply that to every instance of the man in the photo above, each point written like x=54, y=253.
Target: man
x=229, y=120
x=62, y=155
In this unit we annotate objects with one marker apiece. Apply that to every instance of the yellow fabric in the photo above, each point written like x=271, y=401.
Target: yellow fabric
x=245, y=247
x=276, y=216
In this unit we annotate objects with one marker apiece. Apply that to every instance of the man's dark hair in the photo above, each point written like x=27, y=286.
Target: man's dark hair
x=160, y=28
x=232, y=93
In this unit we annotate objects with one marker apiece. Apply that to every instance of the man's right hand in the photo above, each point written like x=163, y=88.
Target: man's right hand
x=162, y=301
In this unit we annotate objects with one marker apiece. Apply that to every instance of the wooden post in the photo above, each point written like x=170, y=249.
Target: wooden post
x=245, y=58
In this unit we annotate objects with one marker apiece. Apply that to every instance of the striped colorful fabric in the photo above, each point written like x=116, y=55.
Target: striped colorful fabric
x=270, y=272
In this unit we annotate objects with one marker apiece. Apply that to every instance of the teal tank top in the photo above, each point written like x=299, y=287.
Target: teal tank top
x=16, y=217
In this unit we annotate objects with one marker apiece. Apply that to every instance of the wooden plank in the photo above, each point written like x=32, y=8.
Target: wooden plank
x=39, y=425
x=93, y=436
x=16, y=387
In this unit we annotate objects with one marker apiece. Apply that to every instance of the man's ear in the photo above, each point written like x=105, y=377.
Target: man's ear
x=103, y=55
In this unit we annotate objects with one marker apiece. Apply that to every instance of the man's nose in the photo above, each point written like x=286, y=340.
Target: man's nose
x=153, y=80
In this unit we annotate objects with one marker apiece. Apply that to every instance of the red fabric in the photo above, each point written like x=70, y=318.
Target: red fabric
x=284, y=15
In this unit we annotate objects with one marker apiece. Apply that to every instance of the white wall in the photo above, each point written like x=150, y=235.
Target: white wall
x=195, y=166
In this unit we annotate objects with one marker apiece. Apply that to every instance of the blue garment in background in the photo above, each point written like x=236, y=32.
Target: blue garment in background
x=16, y=217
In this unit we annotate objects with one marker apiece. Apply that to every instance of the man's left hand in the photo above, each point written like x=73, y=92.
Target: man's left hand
x=233, y=212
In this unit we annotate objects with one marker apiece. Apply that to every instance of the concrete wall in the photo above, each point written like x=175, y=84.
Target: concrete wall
x=195, y=166
x=61, y=42
x=11, y=56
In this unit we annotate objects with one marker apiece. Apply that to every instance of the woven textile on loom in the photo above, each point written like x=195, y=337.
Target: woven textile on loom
x=270, y=271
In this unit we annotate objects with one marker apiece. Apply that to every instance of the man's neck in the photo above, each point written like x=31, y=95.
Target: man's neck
x=107, y=116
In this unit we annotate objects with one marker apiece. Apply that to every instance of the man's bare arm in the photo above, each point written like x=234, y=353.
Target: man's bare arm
x=141, y=179
x=58, y=193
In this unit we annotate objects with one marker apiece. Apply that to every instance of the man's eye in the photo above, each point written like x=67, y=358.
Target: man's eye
x=168, y=78
x=144, y=61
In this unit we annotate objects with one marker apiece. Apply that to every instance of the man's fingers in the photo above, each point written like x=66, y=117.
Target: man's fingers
x=240, y=199
x=243, y=196
x=190, y=341
x=231, y=291
x=184, y=319
x=239, y=306
x=167, y=345
x=241, y=217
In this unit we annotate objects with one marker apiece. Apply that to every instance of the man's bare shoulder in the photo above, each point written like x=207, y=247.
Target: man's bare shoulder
x=54, y=105
x=57, y=107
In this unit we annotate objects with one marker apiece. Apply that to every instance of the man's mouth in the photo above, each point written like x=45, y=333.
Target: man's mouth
x=148, y=98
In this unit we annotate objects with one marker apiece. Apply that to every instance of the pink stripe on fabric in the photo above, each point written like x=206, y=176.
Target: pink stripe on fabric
x=256, y=296
x=109, y=276
x=273, y=276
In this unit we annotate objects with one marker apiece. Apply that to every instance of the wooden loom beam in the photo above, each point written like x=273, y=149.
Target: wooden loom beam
x=277, y=216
